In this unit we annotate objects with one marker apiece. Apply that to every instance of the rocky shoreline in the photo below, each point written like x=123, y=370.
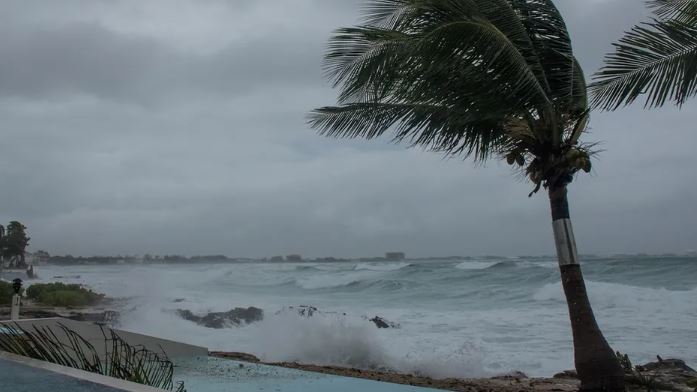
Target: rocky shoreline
x=242, y=316
x=663, y=375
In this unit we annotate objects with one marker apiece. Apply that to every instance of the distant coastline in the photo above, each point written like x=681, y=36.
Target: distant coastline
x=218, y=259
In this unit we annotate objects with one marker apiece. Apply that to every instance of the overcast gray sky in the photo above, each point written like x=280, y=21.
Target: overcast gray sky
x=175, y=126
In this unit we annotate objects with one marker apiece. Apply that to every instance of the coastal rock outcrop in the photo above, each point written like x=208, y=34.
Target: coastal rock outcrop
x=218, y=320
x=240, y=316
x=310, y=311
x=303, y=310
x=664, y=374
x=670, y=374
x=382, y=323
x=307, y=311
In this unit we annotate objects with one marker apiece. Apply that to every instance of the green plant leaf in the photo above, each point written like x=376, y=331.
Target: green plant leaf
x=657, y=60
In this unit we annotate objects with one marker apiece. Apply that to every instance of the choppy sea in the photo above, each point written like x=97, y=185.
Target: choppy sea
x=458, y=318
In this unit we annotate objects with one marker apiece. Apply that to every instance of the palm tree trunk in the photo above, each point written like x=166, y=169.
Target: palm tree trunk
x=596, y=363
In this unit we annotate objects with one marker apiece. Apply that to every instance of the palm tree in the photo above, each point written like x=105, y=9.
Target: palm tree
x=14, y=244
x=657, y=59
x=479, y=79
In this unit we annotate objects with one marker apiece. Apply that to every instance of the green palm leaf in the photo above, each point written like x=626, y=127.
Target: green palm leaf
x=436, y=127
x=681, y=10
x=657, y=59
x=464, y=77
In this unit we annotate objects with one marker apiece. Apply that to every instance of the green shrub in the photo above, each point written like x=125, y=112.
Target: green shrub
x=64, y=298
x=6, y=292
x=60, y=294
x=625, y=362
x=692, y=383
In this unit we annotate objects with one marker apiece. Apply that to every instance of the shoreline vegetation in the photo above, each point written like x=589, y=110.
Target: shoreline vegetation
x=71, y=301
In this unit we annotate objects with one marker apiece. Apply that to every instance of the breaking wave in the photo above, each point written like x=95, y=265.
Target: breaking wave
x=460, y=318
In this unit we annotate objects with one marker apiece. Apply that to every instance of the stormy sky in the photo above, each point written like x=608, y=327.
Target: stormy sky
x=132, y=127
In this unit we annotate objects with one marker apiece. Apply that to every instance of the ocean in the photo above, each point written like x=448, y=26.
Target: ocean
x=459, y=318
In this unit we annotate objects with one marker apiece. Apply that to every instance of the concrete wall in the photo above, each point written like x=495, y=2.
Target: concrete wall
x=95, y=336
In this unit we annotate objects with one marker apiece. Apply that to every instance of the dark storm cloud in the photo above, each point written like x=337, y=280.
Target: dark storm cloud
x=179, y=127
x=89, y=59
x=75, y=59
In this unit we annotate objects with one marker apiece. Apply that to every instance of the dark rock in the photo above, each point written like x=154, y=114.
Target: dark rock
x=235, y=356
x=514, y=375
x=310, y=311
x=382, y=323
x=218, y=320
x=307, y=311
x=668, y=374
x=566, y=374
x=188, y=315
x=304, y=310
x=666, y=365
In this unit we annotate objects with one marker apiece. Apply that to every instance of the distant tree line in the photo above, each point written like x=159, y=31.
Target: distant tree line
x=146, y=259
x=179, y=259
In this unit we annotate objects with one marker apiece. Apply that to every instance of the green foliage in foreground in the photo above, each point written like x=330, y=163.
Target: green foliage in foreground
x=66, y=347
x=60, y=294
x=626, y=363
x=6, y=292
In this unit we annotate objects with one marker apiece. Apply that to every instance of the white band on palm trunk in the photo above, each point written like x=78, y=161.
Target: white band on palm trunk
x=565, y=242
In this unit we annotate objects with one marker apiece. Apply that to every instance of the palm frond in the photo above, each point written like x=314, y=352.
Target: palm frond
x=438, y=128
x=680, y=10
x=476, y=78
x=578, y=98
x=384, y=13
x=657, y=59
x=372, y=63
x=551, y=42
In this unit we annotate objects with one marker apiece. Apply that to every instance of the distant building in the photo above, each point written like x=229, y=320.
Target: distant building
x=395, y=256
x=294, y=258
x=37, y=258
x=276, y=259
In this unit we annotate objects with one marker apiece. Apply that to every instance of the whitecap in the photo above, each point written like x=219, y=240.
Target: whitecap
x=380, y=267
x=475, y=265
